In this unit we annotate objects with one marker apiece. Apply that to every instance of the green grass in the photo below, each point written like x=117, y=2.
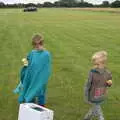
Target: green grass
x=72, y=36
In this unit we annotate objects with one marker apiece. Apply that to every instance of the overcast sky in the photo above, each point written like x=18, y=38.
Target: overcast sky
x=42, y=1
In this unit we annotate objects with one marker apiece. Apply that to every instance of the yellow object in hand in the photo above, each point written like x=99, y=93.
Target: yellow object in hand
x=109, y=82
x=25, y=62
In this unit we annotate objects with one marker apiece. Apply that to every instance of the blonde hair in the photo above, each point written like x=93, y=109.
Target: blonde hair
x=37, y=38
x=99, y=58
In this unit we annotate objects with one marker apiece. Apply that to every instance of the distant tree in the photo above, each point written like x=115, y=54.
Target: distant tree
x=115, y=4
x=20, y=5
x=30, y=5
x=72, y=3
x=2, y=5
x=57, y=4
x=85, y=4
x=48, y=4
x=105, y=4
x=12, y=5
x=82, y=1
x=39, y=5
x=68, y=3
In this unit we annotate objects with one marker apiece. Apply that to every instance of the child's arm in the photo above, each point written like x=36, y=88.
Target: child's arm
x=88, y=86
x=18, y=88
x=109, y=81
x=23, y=77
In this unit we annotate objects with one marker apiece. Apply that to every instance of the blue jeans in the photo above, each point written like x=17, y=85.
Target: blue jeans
x=40, y=100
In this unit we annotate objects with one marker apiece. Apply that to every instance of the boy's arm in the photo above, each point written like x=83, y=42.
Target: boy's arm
x=24, y=78
x=88, y=86
x=18, y=88
x=109, y=80
x=110, y=76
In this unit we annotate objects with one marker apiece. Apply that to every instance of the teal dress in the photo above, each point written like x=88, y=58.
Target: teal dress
x=34, y=77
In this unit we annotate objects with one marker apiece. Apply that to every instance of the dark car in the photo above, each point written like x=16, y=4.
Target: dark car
x=30, y=9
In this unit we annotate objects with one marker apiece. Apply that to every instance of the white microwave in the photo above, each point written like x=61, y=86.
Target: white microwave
x=31, y=111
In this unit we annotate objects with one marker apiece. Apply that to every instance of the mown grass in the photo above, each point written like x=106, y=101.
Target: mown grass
x=72, y=37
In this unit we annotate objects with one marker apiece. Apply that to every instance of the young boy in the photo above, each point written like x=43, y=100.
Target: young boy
x=98, y=81
x=35, y=73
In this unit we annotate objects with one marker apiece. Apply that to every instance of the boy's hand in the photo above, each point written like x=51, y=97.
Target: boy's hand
x=25, y=62
x=109, y=83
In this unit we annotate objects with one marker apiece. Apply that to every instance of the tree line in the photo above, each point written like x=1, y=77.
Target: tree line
x=62, y=3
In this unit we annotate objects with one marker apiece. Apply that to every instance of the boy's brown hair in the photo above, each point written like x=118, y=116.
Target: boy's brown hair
x=37, y=39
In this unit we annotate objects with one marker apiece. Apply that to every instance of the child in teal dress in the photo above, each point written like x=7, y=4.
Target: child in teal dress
x=35, y=74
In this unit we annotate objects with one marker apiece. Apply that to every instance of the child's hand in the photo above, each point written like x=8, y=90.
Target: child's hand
x=109, y=83
x=25, y=62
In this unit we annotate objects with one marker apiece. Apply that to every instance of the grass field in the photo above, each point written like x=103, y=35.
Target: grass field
x=111, y=10
x=72, y=36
